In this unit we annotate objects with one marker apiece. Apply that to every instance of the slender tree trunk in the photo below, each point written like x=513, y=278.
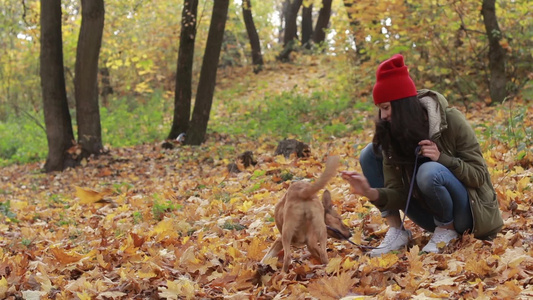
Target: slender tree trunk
x=107, y=89
x=86, y=77
x=290, y=36
x=319, y=35
x=307, y=25
x=255, y=43
x=183, y=95
x=284, y=12
x=498, y=79
x=208, y=74
x=56, y=114
x=291, y=28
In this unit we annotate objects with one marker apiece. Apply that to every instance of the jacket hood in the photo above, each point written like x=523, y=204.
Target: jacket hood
x=435, y=105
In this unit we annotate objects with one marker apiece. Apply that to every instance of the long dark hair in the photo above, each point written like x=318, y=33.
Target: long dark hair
x=408, y=125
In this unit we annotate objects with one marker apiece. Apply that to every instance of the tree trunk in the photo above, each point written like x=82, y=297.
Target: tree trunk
x=255, y=43
x=498, y=80
x=307, y=25
x=283, y=13
x=86, y=77
x=208, y=75
x=107, y=89
x=319, y=35
x=183, y=94
x=56, y=114
x=290, y=36
x=291, y=28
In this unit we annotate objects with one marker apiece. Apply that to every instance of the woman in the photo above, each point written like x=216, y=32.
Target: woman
x=452, y=193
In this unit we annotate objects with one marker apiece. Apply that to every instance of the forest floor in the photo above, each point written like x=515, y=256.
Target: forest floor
x=148, y=223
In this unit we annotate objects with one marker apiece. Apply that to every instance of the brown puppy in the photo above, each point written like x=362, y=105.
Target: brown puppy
x=302, y=218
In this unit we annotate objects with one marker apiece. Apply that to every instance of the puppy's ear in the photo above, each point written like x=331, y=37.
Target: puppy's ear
x=326, y=200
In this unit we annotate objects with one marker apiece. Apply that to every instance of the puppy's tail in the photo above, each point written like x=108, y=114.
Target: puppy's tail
x=332, y=164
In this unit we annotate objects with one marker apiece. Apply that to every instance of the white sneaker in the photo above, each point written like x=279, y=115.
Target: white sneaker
x=441, y=235
x=393, y=240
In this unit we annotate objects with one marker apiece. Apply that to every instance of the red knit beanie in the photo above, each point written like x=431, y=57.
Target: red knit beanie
x=393, y=81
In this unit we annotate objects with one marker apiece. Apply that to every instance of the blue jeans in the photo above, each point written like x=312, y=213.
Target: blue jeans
x=440, y=190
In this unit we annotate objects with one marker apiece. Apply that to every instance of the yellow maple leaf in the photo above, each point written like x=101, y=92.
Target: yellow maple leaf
x=261, y=196
x=233, y=252
x=88, y=196
x=280, y=159
x=189, y=257
x=84, y=296
x=334, y=265
x=246, y=205
x=523, y=183
x=44, y=280
x=272, y=262
x=349, y=264
x=441, y=245
x=66, y=257
x=180, y=288
x=3, y=287
x=490, y=160
x=163, y=226
x=385, y=261
x=144, y=275
x=236, y=198
x=255, y=250
x=478, y=267
x=511, y=195
x=19, y=204
x=334, y=287
x=101, y=261
x=415, y=260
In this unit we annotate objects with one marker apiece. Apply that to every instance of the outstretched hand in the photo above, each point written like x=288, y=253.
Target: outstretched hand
x=360, y=184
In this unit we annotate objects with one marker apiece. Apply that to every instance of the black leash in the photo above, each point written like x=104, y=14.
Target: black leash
x=402, y=227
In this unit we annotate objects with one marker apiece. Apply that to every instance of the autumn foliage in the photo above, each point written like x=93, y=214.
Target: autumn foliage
x=148, y=223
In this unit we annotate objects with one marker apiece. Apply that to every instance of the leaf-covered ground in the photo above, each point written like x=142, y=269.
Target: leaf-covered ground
x=148, y=223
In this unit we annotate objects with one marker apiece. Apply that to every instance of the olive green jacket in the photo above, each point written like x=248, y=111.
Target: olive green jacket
x=461, y=154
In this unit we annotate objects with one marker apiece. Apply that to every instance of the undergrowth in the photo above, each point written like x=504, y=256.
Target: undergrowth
x=127, y=122
x=329, y=109
x=290, y=114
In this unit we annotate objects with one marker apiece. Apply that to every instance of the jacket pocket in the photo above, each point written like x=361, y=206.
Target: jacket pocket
x=486, y=212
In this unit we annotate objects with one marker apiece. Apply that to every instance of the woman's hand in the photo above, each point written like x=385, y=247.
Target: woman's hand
x=429, y=149
x=360, y=185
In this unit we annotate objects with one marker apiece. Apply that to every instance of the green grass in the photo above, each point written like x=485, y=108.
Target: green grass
x=291, y=114
x=511, y=132
x=127, y=122
x=329, y=111
x=131, y=122
x=5, y=210
x=160, y=207
x=22, y=141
